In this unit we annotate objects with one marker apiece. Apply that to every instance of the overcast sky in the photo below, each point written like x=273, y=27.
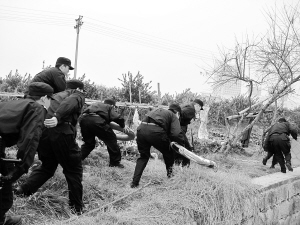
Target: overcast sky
x=168, y=41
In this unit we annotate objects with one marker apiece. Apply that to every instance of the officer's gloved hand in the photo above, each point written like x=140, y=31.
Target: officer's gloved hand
x=12, y=176
x=126, y=130
x=51, y=122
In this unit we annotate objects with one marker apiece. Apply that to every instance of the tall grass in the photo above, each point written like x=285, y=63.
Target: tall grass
x=195, y=195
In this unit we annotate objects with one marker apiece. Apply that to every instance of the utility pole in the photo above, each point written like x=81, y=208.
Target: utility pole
x=77, y=27
x=159, y=93
x=130, y=80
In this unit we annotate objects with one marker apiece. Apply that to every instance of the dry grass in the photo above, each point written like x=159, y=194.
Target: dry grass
x=195, y=195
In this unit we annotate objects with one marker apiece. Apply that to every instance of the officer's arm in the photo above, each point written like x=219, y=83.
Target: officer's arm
x=59, y=81
x=116, y=117
x=68, y=106
x=175, y=131
x=293, y=131
x=30, y=133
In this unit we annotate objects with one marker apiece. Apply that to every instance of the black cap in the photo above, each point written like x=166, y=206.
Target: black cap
x=175, y=107
x=199, y=102
x=110, y=101
x=63, y=60
x=40, y=89
x=74, y=84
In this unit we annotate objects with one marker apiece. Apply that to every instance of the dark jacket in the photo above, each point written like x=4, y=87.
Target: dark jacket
x=280, y=128
x=188, y=113
x=67, y=106
x=52, y=76
x=168, y=121
x=106, y=112
x=21, y=123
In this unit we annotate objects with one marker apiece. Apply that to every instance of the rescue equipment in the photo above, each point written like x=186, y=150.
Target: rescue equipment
x=192, y=156
x=122, y=137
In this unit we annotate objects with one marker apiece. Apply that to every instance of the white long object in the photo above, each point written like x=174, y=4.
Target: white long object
x=122, y=137
x=192, y=156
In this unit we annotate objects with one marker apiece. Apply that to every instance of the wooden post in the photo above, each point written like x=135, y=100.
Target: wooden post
x=159, y=94
x=140, y=100
x=129, y=75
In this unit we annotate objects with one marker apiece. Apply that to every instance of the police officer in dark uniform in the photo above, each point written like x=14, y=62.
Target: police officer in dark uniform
x=21, y=123
x=58, y=145
x=95, y=123
x=278, y=143
x=55, y=76
x=188, y=112
x=158, y=129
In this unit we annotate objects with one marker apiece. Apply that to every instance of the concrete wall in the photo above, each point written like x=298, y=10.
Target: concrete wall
x=279, y=199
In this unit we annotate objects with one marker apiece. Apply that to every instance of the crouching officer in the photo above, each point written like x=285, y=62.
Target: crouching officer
x=21, y=123
x=58, y=145
x=188, y=112
x=158, y=129
x=55, y=76
x=95, y=123
x=278, y=143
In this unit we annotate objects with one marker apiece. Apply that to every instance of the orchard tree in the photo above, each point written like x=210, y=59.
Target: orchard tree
x=15, y=82
x=273, y=61
x=138, y=88
x=100, y=92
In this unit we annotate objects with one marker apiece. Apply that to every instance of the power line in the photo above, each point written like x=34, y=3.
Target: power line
x=113, y=31
x=149, y=35
x=163, y=42
x=148, y=44
x=37, y=10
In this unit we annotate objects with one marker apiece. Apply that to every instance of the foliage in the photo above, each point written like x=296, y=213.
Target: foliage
x=220, y=109
x=15, y=82
x=100, y=92
x=137, y=85
x=182, y=98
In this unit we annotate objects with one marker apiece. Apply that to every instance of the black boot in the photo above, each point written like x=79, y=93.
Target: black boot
x=264, y=161
x=290, y=168
x=283, y=170
x=134, y=185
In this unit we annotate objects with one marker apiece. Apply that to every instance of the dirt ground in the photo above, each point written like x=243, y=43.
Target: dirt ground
x=247, y=160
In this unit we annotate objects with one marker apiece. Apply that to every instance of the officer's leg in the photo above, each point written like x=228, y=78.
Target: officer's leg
x=43, y=172
x=144, y=150
x=112, y=147
x=274, y=161
x=286, y=150
x=68, y=155
x=88, y=136
x=180, y=159
x=6, y=194
x=276, y=145
x=163, y=145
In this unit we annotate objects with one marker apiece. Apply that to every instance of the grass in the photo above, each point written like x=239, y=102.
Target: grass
x=195, y=195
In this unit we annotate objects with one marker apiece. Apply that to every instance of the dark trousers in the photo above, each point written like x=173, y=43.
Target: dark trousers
x=58, y=146
x=180, y=159
x=269, y=155
x=93, y=126
x=147, y=136
x=6, y=194
x=281, y=146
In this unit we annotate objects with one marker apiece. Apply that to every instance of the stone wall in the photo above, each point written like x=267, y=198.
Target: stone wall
x=279, y=199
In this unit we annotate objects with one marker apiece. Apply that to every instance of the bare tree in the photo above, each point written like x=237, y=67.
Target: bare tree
x=273, y=61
